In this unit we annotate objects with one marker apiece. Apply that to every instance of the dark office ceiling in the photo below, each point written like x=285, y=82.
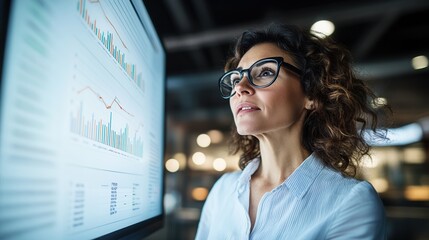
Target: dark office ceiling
x=383, y=36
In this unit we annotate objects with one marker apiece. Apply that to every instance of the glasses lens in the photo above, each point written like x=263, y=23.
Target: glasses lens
x=262, y=74
x=228, y=82
x=265, y=72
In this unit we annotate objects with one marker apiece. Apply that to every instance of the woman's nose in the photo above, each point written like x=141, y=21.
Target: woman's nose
x=243, y=87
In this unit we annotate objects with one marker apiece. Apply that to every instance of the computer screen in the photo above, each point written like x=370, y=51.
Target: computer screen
x=82, y=120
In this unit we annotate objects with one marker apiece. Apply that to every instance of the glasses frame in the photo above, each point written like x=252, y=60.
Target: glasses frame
x=280, y=62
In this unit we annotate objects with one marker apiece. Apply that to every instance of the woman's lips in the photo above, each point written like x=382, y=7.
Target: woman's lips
x=246, y=107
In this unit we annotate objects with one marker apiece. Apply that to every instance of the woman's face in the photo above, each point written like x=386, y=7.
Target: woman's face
x=279, y=106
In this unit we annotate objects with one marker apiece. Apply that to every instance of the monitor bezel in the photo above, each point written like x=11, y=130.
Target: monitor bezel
x=4, y=22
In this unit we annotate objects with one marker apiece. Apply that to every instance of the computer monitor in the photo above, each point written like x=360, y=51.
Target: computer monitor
x=82, y=119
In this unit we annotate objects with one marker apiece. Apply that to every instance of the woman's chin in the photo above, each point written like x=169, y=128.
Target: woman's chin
x=246, y=131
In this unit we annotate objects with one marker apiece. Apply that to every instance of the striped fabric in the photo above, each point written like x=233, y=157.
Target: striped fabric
x=315, y=202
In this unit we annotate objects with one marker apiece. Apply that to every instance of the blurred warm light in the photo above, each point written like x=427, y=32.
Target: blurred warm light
x=419, y=62
x=215, y=135
x=181, y=157
x=203, y=140
x=379, y=155
x=417, y=193
x=380, y=184
x=172, y=165
x=414, y=155
x=323, y=28
x=219, y=164
x=379, y=102
x=199, y=193
x=393, y=156
x=199, y=158
x=370, y=161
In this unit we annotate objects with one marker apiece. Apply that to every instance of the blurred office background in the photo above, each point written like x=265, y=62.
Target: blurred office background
x=390, y=44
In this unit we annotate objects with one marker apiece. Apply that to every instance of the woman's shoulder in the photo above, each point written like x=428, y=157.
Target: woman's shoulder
x=363, y=191
x=358, y=213
x=232, y=178
x=344, y=186
x=224, y=186
x=228, y=179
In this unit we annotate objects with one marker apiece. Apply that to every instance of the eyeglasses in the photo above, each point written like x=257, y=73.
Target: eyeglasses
x=261, y=74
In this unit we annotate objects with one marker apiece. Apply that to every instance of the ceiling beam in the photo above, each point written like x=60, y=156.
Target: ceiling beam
x=179, y=14
x=343, y=14
x=184, y=24
x=382, y=69
x=370, y=38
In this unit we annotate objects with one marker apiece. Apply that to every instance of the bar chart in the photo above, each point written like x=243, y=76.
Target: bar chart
x=103, y=132
x=109, y=38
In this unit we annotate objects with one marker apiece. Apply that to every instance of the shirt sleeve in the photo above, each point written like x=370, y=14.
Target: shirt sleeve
x=208, y=211
x=359, y=216
x=203, y=225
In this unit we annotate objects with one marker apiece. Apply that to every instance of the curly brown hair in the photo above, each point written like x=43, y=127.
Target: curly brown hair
x=343, y=109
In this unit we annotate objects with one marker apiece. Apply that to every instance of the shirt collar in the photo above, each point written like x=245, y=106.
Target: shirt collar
x=245, y=176
x=303, y=177
x=298, y=182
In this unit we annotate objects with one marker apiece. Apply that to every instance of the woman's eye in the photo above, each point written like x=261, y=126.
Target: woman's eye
x=234, y=79
x=266, y=73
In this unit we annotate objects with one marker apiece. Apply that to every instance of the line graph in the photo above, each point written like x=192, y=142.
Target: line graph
x=110, y=22
x=104, y=123
x=107, y=105
x=107, y=38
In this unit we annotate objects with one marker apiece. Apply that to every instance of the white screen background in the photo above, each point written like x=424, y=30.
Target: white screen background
x=82, y=119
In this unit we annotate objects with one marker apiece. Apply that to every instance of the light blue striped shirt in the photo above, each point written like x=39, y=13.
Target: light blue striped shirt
x=314, y=202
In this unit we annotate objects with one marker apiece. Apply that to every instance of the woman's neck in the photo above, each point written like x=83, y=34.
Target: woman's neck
x=280, y=156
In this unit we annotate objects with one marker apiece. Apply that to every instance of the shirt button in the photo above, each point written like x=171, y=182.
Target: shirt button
x=241, y=189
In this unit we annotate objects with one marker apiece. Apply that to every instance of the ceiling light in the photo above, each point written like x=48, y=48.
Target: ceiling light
x=380, y=184
x=323, y=28
x=414, y=155
x=181, y=158
x=369, y=161
x=203, y=140
x=219, y=164
x=419, y=62
x=200, y=193
x=172, y=165
x=417, y=193
x=199, y=158
x=215, y=135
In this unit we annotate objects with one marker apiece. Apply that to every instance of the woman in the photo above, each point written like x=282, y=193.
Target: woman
x=299, y=111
